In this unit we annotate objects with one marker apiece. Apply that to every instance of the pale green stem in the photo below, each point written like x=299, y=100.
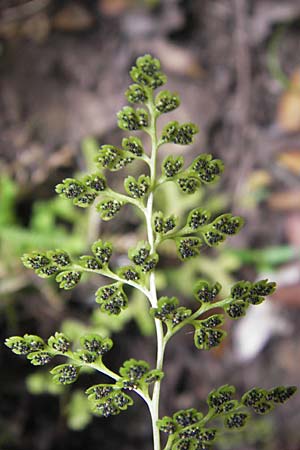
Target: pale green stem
x=89, y=151
x=103, y=369
x=109, y=274
x=204, y=308
x=154, y=402
x=93, y=224
x=106, y=371
x=123, y=198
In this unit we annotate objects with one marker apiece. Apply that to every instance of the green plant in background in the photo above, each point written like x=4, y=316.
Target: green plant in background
x=45, y=229
x=187, y=429
x=49, y=225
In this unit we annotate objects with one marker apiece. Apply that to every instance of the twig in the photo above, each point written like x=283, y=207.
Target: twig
x=23, y=11
x=243, y=93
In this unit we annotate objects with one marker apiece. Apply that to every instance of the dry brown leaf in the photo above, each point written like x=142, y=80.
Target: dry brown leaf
x=73, y=17
x=178, y=60
x=114, y=7
x=36, y=27
x=288, y=296
x=288, y=111
x=292, y=229
x=290, y=160
x=9, y=30
x=285, y=201
x=258, y=179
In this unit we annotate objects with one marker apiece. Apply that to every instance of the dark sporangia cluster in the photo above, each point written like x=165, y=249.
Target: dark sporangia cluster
x=109, y=208
x=211, y=233
x=259, y=401
x=59, y=343
x=281, y=394
x=237, y=309
x=181, y=419
x=163, y=225
x=204, y=292
x=188, y=184
x=130, y=119
x=31, y=346
x=112, y=298
x=142, y=257
x=169, y=311
x=35, y=260
x=90, y=262
x=213, y=321
x=108, y=399
x=68, y=279
x=96, y=344
x=213, y=238
x=136, y=94
x=113, y=158
x=220, y=397
x=236, y=421
x=150, y=264
x=207, y=168
x=133, y=145
x=175, y=133
x=59, y=263
x=207, y=334
x=166, y=101
x=204, y=169
x=102, y=251
x=139, y=254
x=39, y=358
x=129, y=273
x=65, y=373
x=245, y=293
x=221, y=403
x=262, y=401
x=228, y=224
x=86, y=357
x=53, y=263
x=137, y=374
x=24, y=345
x=137, y=188
x=147, y=72
x=206, y=338
x=93, y=347
x=188, y=247
x=95, y=182
x=59, y=257
x=196, y=219
x=82, y=192
x=223, y=226
x=46, y=264
x=171, y=166
x=186, y=430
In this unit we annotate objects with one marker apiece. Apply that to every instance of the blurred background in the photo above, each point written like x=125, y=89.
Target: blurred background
x=63, y=71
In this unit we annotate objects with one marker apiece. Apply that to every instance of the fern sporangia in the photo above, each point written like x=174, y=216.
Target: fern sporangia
x=187, y=429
